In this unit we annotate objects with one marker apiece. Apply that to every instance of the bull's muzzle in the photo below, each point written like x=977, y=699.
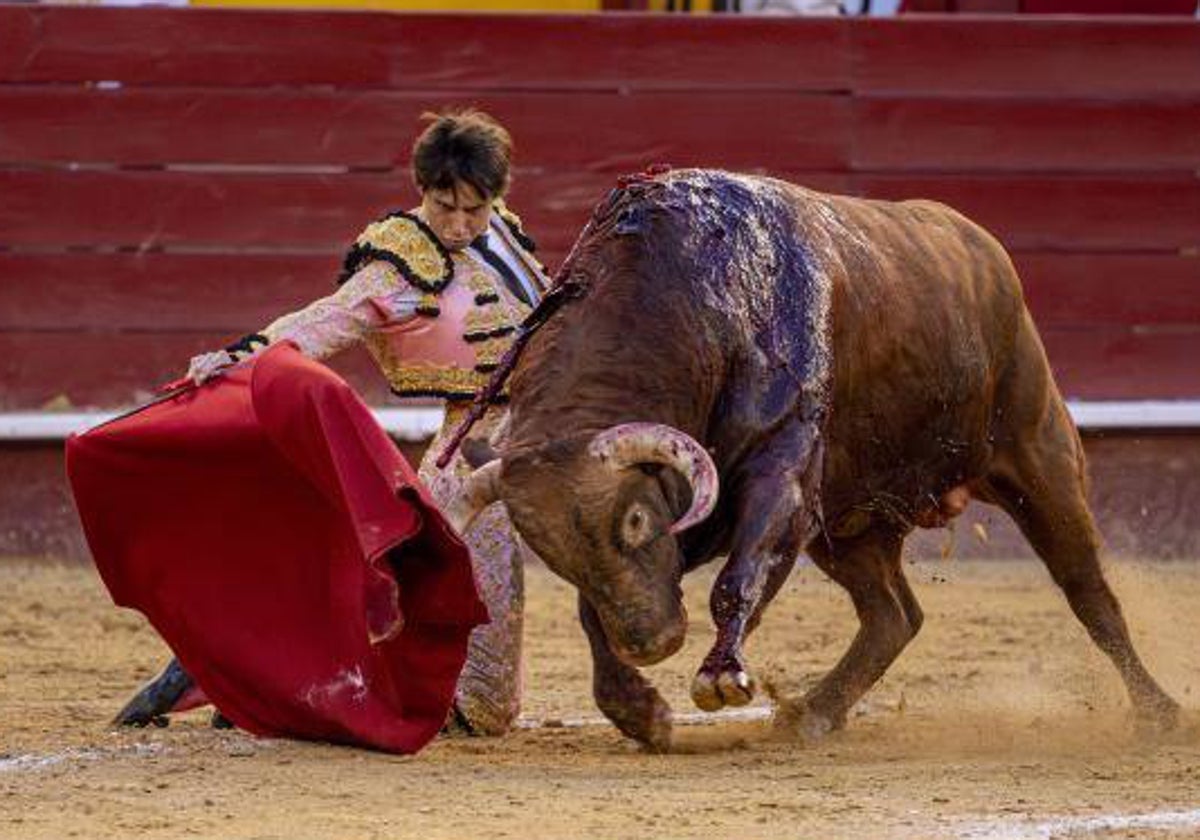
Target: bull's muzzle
x=639, y=647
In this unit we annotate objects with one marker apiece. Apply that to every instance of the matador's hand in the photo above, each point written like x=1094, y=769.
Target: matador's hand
x=207, y=365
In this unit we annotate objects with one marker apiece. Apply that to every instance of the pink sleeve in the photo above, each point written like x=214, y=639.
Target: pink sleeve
x=374, y=296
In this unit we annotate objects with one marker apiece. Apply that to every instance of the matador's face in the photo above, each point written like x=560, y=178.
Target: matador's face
x=457, y=215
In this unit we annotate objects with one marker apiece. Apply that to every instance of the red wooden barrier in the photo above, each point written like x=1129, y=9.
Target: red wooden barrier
x=596, y=131
x=1034, y=57
x=171, y=178
x=156, y=291
x=153, y=208
x=139, y=126
x=424, y=52
x=97, y=369
x=1082, y=290
x=1130, y=212
x=1109, y=7
x=157, y=209
x=1023, y=135
x=233, y=294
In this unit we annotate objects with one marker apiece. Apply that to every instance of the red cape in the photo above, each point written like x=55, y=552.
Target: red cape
x=281, y=545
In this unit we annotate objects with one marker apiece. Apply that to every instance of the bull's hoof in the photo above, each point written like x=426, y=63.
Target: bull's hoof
x=647, y=720
x=655, y=734
x=796, y=720
x=727, y=688
x=1158, y=714
x=219, y=721
x=656, y=737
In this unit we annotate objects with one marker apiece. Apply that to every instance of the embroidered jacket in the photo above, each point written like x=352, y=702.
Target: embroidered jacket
x=436, y=322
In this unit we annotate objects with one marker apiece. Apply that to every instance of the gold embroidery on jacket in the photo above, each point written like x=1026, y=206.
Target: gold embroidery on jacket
x=487, y=327
x=489, y=352
x=480, y=282
x=429, y=305
x=436, y=381
x=405, y=241
x=488, y=321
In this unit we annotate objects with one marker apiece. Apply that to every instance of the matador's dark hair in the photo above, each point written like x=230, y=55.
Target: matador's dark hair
x=462, y=146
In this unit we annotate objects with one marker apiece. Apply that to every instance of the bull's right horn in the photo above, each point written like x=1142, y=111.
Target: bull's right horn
x=629, y=444
x=481, y=488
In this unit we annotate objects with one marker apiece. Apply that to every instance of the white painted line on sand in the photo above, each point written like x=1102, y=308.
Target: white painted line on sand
x=750, y=713
x=34, y=761
x=1082, y=827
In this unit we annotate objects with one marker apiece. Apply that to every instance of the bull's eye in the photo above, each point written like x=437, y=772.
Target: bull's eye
x=635, y=528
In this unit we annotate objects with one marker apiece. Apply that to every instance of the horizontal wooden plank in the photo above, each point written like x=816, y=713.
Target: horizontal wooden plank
x=1063, y=213
x=86, y=370
x=144, y=210
x=98, y=370
x=1030, y=56
x=1110, y=289
x=903, y=134
x=229, y=294
x=1054, y=7
x=53, y=124
x=1122, y=364
x=241, y=47
x=235, y=293
x=1007, y=7
x=150, y=209
x=237, y=47
x=155, y=208
x=1186, y=8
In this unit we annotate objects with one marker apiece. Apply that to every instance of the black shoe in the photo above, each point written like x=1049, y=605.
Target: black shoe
x=457, y=724
x=157, y=697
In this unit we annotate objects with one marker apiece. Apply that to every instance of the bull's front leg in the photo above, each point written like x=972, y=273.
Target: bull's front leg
x=775, y=517
x=624, y=696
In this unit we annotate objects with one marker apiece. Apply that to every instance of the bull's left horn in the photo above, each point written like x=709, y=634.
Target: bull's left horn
x=481, y=488
x=643, y=443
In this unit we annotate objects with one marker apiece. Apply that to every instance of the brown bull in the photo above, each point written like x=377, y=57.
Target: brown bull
x=843, y=370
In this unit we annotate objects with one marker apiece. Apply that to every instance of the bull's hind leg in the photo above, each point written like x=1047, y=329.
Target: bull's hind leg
x=869, y=568
x=1039, y=481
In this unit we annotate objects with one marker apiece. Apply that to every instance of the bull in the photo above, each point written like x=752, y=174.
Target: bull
x=751, y=369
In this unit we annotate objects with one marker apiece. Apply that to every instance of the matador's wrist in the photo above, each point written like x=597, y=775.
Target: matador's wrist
x=247, y=346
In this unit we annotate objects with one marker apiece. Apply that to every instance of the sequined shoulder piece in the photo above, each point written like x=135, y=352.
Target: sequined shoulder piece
x=406, y=242
x=513, y=222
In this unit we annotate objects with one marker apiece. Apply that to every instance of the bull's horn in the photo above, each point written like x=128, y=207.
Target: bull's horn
x=481, y=488
x=641, y=443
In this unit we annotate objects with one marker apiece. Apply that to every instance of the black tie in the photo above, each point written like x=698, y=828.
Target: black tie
x=497, y=262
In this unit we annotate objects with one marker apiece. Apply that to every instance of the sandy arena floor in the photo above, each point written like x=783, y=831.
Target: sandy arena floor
x=1001, y=722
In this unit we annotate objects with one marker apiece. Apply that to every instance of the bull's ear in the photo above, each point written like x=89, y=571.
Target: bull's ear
x=477, y=452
